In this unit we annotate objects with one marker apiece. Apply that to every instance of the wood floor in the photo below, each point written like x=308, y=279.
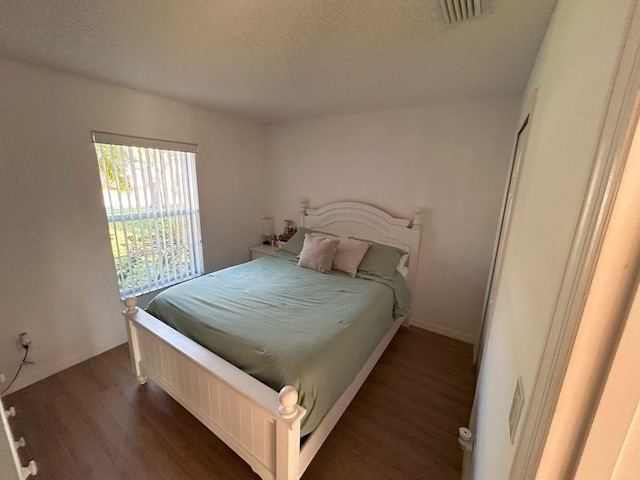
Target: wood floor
x=93, y=421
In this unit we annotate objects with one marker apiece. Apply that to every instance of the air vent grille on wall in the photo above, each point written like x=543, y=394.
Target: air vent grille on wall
x=458, y=10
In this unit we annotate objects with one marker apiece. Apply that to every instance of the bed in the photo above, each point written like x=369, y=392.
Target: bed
x=262, y=425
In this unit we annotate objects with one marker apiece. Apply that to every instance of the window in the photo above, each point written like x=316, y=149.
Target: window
x=151, y=199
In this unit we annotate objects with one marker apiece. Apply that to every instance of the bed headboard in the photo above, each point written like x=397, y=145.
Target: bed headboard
x=369, y=223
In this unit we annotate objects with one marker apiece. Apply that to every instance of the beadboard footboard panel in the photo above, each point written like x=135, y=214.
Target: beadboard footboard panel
x=244, y=413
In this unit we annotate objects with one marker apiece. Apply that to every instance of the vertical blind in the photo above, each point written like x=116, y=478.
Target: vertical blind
x=150, y=196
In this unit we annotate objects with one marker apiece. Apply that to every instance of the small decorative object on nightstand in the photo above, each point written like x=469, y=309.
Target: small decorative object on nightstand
x=289, y=230
x=262, y=250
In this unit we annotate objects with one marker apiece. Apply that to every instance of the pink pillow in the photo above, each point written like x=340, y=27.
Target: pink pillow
x=318, y=253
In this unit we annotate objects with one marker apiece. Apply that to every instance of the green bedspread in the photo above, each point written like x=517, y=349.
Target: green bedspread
x=287, y=325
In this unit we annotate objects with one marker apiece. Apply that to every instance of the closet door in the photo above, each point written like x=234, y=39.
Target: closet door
x=502, y=237
x=503, y=234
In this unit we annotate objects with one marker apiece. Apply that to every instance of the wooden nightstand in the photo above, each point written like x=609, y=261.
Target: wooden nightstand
x=261, y=250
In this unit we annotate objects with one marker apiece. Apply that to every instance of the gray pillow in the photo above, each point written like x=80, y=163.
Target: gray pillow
x=380, y=260
x=318, y=253
x=294, y=245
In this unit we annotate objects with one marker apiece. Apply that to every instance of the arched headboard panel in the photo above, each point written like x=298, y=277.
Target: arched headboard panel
x=369, y=223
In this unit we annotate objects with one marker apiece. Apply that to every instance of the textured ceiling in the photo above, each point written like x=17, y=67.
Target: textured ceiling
x=279, y=60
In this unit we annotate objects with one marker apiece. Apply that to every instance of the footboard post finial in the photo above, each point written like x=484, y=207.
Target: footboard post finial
x=417, y=218
x=288, y=435
x=288, y=398
x=134, y=343
x=132, y=305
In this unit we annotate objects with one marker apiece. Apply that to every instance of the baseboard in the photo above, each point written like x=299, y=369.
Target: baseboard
x=447, y=332
x=27, y=378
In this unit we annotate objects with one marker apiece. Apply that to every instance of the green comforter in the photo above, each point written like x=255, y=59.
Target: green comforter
x=286, y=325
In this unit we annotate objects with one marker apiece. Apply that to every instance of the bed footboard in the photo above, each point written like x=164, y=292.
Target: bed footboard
x=259, y=424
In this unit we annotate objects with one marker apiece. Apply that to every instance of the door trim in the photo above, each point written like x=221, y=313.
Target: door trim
x=613, y=146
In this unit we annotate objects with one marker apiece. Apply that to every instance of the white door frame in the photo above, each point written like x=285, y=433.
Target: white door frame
x=590, y=424
x=613, y=146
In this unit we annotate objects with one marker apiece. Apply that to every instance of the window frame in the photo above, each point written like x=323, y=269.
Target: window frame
x=170, y=197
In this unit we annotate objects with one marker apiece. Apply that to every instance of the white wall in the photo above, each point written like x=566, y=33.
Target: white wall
x=58, y=279
x=573, y=72
x=451, y=159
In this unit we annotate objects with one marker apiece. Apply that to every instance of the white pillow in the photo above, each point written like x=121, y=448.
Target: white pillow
x=349, y=254
x=402, y=268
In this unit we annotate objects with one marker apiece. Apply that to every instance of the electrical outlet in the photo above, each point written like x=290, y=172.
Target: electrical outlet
x=25, y=340
x=3, y=379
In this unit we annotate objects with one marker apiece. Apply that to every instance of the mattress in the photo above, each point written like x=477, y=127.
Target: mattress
x=286, y=325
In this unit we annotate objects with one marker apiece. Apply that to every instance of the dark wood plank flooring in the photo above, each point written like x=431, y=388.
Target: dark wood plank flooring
x=93, y=421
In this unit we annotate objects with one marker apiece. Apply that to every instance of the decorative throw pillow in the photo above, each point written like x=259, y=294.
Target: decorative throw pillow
x=348, y=255
x=318, y=253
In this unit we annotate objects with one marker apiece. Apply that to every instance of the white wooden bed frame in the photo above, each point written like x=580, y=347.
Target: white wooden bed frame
x=261, y=425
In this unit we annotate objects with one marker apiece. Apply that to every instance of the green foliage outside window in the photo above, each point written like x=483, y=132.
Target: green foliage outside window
x=146, y=251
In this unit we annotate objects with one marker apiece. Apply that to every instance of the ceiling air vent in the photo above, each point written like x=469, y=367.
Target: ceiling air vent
x=455, y=11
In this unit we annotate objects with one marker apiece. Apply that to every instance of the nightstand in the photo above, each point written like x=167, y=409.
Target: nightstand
x=262, y=250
